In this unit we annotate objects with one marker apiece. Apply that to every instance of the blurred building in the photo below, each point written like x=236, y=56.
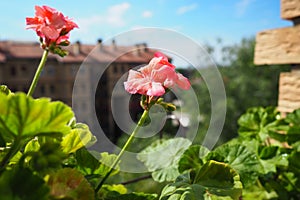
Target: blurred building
x=101, y=68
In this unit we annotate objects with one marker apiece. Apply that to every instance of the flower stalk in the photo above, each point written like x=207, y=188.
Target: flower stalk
x=38, y=73
x=128, y=142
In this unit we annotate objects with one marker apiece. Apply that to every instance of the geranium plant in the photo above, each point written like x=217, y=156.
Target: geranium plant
x=43, y=152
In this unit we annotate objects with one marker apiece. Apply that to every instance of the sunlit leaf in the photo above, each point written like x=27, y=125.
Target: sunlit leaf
x=162, y=157
x=107, y=160
x=32, y=145
x=22, y=116
x=4, y=89
x=77, y=138
x=256, y=192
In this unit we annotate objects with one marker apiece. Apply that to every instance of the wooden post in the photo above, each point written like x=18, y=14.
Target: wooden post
x=282, y=46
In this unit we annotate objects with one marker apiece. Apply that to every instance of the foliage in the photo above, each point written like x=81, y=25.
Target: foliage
x=263, y=159
x=246, y=85
x=43, y=149
x=48, y=153
x=213, y=179
x=161, y=158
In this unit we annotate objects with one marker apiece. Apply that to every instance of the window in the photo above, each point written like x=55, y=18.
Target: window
x=52, y=89
x=23, y=69
x=42, y=89
x=124, y=68
x=13, y=70
x=51, y=70
x=115, y=68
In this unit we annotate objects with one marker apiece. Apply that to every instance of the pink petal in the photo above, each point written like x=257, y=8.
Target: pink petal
x=134, y=82
x=39, y=11
x=32, y=22
x=50, y=32
x=58, y=20
x=183, y=82
x=156, y=90
x=160, y=55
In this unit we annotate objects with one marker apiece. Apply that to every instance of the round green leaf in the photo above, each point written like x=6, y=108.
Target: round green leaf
x=162, y=157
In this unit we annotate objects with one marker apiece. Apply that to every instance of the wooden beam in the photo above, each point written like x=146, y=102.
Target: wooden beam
x=278, y=46
x=290, y=9
x=289, y=91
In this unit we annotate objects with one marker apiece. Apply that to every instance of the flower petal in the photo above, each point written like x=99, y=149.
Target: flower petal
x=156, y=89
x=183, y=82
x=50, y=32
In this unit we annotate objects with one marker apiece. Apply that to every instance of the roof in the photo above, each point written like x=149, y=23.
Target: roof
x=78, y=52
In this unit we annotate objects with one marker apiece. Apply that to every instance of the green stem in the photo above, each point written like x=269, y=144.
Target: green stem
x=38, y=73
x=12, y=151
x=112, y=167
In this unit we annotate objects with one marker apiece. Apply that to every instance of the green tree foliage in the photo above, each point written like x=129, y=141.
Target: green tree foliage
x=246, y=85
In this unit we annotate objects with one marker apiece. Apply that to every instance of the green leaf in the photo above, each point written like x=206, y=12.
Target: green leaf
x=70, y=184
x=48, y=157
x=21, y=183
x=77, y=138
x=119, y=192
x=192, y=158
x=268, y=152
x=107, y=160
x=241, y=158
x=94, y=165
x=161, y=158
x=294, y=163
x=219, y=178
x=4, y=89
x=86, y=161
x=293, y=134
x=22, y=116
x=256, y=192
x=293, y=118
x=134, y=196
x=32, y=145
x=214, y=180
x=111, y=191
x=258, y=122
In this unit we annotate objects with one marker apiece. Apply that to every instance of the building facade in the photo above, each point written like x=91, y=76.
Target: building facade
x=90, y=78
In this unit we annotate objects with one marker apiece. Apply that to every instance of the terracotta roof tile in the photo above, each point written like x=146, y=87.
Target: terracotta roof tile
x=99, y=53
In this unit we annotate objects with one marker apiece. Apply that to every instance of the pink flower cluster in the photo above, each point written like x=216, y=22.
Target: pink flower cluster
x=51, y=26
x=154, y=78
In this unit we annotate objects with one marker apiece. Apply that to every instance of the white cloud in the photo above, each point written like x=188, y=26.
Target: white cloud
x=147, y=14
x=114, y=17
x=115, y=14
x=187, y=8
x=242, y=6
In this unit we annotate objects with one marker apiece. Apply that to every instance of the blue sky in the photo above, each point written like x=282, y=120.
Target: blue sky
x=202, y=20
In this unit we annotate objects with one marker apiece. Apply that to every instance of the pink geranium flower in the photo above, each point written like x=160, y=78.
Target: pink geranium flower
x=51, y=26
x=154, y=78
